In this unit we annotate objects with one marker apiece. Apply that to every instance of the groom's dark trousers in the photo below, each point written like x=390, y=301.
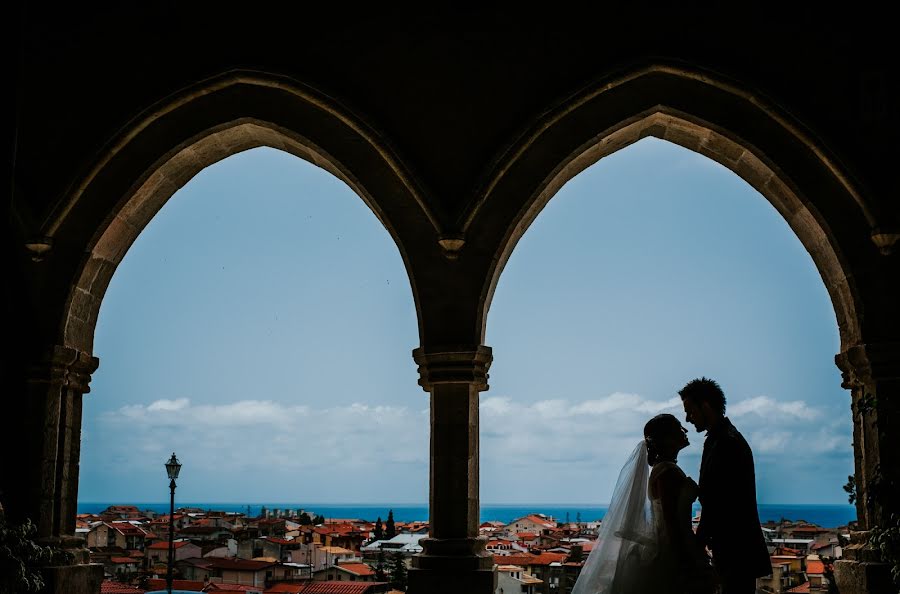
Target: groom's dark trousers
x=729, y=520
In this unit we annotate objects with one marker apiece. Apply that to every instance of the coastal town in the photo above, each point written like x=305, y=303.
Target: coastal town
x=293, y=551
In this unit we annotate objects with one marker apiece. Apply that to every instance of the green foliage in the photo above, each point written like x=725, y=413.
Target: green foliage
x=850, y=488
x=380, y=566
x=305, y=520
x=379, y=529
x=390, y=530
x=885, y=490
x=398, y=572
x=887, y=541
x=866, y=404
x=21, y=558
x=319, y=519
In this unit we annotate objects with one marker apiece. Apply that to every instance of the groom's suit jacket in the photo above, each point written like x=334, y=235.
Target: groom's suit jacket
x=729, y=520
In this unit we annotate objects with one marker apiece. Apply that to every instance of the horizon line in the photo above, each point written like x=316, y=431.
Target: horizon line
x=396, y=504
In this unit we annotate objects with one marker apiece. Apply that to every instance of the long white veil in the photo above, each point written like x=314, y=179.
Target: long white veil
x=627, y=539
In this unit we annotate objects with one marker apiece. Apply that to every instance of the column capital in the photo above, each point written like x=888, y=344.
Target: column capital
x=455, y=364
x=863, y=363
x=64, y=366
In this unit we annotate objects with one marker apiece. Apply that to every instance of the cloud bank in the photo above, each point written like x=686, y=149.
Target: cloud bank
x=550, y=450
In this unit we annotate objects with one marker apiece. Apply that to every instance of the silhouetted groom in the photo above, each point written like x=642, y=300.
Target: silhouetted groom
x=729, y=520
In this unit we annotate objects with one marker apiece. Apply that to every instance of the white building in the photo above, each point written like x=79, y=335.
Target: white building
x=512, y=579
x=535, y=523
x=404, y=543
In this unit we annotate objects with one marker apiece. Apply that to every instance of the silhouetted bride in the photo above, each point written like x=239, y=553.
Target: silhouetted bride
x=646, y=543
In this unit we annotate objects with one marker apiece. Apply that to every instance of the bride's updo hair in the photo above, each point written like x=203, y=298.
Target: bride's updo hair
x=654, y=432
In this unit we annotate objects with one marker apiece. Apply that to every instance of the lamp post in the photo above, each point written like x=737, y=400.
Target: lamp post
x=173, y=467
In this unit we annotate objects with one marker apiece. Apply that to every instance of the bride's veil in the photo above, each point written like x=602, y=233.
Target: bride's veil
x=626, y=535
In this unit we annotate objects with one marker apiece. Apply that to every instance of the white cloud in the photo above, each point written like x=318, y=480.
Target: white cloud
x=769, y=442
x=255, y=432
x=558, y=449
x=553, y=449
x=178, y=404
x=767, y=407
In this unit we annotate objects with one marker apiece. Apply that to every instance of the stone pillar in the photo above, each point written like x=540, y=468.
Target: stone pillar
x=454, y=557
x=49, y=470
x=872, y=374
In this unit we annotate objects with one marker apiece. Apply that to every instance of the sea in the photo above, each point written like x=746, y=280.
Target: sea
x=825, y=515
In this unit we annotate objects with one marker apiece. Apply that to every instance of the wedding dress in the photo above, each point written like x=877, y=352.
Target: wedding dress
x=634, y=554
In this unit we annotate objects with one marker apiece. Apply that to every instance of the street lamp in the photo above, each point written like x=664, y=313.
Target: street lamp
x=173, y=467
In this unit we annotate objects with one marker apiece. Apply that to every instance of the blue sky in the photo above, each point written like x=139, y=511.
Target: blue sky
x=262, y=326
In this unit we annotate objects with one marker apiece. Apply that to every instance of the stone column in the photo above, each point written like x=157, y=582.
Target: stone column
x=454, y=557
x=52, y=419
x=872, y=374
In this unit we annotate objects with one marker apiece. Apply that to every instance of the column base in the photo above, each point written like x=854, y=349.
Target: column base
x=453, y=565
x=862, y=577
x=424, y=581
x=72, y=579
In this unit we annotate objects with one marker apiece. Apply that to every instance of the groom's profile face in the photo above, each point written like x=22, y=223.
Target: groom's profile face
x=695, y=415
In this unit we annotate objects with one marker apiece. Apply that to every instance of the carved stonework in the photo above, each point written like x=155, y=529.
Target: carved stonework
x=57, y=383
x=65, y=367
x=451, y=245
x=885, y=241
x=871, y=372
x=451, y=365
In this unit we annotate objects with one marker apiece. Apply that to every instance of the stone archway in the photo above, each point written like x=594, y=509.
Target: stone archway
x=753, y=168
x=123, y=228
x=818, y=199
x=454, y=249
x=86, y=235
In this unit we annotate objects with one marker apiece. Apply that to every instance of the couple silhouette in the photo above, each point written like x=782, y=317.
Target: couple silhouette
x=647, y=544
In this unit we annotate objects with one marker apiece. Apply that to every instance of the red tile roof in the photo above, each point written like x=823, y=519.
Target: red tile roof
x=217, y=587
x=240, y=564
x=527, y=535
x=518, y=559
x=331, y=527
x=127, y=528
x=324, y=588
x=122, y=508
x=800, y=588
x=164, y=545
x=545, y=522
x=123, y=560
x=815, y=567
x=525, y=559
x=548, y=558
x=111, y=587
x=356, y=568
x=787, y=551
x=190, y=585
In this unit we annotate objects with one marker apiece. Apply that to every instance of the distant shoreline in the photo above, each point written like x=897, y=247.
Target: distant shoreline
x=821, y=514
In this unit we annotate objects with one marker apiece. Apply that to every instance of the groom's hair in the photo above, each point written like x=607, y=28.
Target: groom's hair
x=702, y=390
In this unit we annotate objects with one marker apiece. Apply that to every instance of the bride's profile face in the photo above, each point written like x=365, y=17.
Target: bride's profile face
x=679, y=436
x=673, y=438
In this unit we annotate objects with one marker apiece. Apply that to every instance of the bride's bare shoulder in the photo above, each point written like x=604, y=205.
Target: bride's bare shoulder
x=663, y=468
x=665, y=476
